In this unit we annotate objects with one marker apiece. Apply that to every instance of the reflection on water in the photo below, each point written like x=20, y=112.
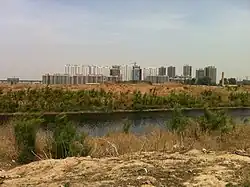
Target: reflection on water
x=138, y=126
x=141, y=122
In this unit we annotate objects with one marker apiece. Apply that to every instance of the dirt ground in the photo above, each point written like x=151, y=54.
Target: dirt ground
x=145, y=169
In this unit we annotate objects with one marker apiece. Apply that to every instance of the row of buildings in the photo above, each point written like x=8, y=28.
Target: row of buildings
x=125, y=70
x=76, y=74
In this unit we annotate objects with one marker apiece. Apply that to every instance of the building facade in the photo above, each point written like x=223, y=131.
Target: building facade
x=200, y=73
x=126, y=72
x=151, y=71
x=115, y=71
x=136, y=73
x=211, y=72
x=162, y=71
x=171, y=71
x=187, y=71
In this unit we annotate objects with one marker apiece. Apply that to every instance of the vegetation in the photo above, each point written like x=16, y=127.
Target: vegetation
x=62, y=100
x=214, y=131
x=66, y=141
x=25, y=133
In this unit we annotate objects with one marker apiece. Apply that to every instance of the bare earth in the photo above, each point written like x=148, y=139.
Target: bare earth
x=147, y=169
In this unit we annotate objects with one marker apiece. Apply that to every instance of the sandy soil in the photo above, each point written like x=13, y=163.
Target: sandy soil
x=147, y=169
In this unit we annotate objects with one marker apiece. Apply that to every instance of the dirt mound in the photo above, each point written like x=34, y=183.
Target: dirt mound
x=194, y=168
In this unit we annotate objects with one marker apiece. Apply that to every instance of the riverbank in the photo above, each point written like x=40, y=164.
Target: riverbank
x=128, y=153
x=119, y=143
x=200, y=109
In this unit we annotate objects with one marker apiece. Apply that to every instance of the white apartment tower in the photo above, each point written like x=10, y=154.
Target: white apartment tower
x=126, y=72
x=151, y=71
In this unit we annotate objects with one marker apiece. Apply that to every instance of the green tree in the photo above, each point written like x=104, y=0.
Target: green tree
x=226, y=82
x=204, y=81
x=232, y=81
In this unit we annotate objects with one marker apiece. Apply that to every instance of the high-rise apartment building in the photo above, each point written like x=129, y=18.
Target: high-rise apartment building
x=187, y=71
x=136, y=73
x=105, y=71
x=85, y=70
x=200, y=73
x=171, y=71
x=211, y=72
x=162, y=71
x=115, y=71
x=151, y=71
x=67, y=69
x=126, y=72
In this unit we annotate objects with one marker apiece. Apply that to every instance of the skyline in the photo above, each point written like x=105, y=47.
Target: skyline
x=37, y=37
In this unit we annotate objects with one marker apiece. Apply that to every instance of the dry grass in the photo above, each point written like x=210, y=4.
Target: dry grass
x=7, y=142
x=161, y=89
x=115, y=144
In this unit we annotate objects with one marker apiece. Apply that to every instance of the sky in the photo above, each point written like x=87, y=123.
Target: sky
x=41, y=36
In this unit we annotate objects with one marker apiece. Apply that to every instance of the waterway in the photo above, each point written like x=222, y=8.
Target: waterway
x=99, y=124
x=145, y=121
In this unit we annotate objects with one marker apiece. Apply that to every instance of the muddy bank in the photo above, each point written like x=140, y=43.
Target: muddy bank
x=193, y=168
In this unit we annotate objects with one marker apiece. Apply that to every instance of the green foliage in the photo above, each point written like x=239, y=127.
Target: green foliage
x=178, y=121
x=126, y=127
x=212, y=121
x=204, y=81
x=67, y=141
x=62, y=100
x=25, y=135
x=216, y=121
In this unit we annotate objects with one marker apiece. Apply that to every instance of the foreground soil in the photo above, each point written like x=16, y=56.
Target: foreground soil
x=193, y=168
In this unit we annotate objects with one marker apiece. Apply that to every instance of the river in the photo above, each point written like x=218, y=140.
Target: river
x=101, y=124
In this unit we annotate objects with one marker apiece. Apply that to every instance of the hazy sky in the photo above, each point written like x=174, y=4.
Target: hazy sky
x=40, y=36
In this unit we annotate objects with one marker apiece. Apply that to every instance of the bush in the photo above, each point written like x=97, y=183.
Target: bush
x=178, y=123
x=216, y=121
x=126, y=127
x=212, y=121
x=25, y=134
x=67, y=141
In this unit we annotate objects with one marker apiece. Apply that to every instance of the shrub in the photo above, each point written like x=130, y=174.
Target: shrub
x=25, y=134
x=126, y=127
x=178, y=123
x=67, y=141
x=216, y=121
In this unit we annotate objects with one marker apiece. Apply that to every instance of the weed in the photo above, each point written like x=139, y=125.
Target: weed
x=126, y=127
x=25, y=134
x=67, y=141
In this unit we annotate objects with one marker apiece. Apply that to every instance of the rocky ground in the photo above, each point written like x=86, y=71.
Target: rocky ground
x=193, y=168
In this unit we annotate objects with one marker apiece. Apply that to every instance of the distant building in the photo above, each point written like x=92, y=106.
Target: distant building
x=211, y=72
x=85, y=70
x=149, y=72
x=200, y=73
x=12, y=80
x=136, y=73
x=171, y=71
x=115, y=71
x=162, y=71
x=126, y=72
x=187, y=71
x=179, y=79
x=157, y=79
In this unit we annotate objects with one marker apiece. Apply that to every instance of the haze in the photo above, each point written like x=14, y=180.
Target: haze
x=41, y=36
